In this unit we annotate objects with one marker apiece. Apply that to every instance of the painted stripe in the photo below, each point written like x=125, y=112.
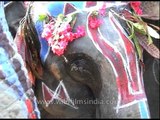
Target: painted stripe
x=144, y=112
x=45, y=49
x=132, y=62
x=115, y=57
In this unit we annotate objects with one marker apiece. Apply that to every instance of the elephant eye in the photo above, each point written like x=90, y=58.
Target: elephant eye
x=80, y=67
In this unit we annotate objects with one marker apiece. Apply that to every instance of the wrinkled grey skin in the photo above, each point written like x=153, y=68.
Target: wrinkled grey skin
x=102, y=88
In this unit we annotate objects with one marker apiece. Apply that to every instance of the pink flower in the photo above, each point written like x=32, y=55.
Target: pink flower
x=46, y=34
x=102, y=11
x=64, y=29
x=139, y=12
x=48, y=30
x=64, y=36
x=63, y=44
x=94, y=22
x=68, y=36
x=136, y=7
x=58, y=50
x=80, y=31
x=50, y=41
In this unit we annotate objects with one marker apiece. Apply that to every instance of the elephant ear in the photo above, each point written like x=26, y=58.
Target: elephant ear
x=22, y=50
x=29, y=47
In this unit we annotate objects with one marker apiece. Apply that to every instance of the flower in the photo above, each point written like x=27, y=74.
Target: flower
x=102, y=11
x=58, y=36
x=94, y=22
x=58, y=50
x=80, y=31
x=48, y=30
x=136, y=7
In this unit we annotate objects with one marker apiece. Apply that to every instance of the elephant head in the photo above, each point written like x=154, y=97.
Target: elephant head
x=96, y=77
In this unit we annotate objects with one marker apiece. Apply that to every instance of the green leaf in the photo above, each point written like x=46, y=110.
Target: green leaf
x=138, y=47
x=68, y=19
x=151, y=49
x=131, y=30
x=73, y=21
x=140, y=28
x=150, y=41
x=60, y=17
x=42, y=17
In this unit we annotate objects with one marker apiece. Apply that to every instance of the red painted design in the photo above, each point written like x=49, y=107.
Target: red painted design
x=33, y=116
x=29, y=105
x=62, y=94
x=47, y=94
x=116, y=59
x=131, y=55
x=69, y=8
x=90, y=4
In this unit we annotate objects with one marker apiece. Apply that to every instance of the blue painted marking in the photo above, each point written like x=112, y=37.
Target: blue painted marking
x=143, y=109
x=55, y=8
x=10, y=73
x=3, y=55
x=77, y=4
x=44, y=44
x=11, y=80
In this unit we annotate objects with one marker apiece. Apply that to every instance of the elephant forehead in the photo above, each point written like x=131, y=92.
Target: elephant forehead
x=83, y=45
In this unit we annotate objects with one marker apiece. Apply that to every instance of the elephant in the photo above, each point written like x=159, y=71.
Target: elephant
x=17, y=98
x=84, y=66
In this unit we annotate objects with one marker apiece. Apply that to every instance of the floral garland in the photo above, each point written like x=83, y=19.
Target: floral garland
x=58, y=32
x=94, y=22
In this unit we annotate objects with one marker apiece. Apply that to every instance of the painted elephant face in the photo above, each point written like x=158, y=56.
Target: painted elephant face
x=80, y=70
x=93, y=76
